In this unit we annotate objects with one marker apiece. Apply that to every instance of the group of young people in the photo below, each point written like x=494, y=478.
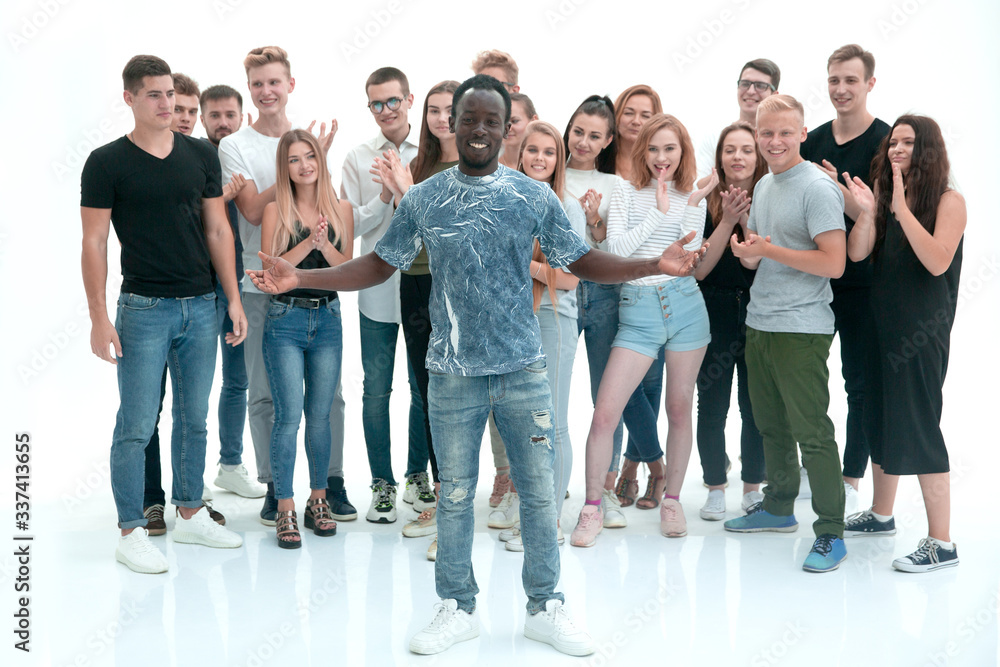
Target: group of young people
x=496, y=240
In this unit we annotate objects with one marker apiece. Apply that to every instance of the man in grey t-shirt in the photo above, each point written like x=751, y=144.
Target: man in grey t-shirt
x=478, y=222
x=797, y=244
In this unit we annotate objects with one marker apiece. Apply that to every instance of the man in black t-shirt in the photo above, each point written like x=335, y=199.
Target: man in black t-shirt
x=162, y=192
x=848, y=144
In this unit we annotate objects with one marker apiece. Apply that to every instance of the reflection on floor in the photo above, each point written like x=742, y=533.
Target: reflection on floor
x=711, y=598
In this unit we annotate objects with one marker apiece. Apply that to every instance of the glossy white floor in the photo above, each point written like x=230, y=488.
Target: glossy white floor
x=710, y=598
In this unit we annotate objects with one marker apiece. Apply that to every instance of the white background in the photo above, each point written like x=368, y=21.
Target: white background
x=61, y=65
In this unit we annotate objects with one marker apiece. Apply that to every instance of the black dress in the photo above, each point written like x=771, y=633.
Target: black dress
x=913, y=313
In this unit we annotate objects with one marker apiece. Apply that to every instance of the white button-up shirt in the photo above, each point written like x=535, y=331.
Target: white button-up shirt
x=371, y=218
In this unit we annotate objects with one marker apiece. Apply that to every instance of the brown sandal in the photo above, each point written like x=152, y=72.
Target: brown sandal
x=287, y=527
x=626, y=490
x=319, y=518
x=654, y=492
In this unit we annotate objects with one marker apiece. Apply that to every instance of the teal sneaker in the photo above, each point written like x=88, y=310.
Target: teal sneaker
x=757, y=520
x=827, y=554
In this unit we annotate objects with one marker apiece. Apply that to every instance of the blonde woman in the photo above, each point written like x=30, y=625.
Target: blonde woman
x=310, y=228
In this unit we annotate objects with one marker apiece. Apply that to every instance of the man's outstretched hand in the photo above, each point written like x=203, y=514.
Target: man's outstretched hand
x=676, y=261
x=276, y=277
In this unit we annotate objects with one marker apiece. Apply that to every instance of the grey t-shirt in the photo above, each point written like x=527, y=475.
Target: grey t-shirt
x=479, y=233
x=793, y=208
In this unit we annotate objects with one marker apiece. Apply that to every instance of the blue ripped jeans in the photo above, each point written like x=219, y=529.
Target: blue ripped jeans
x=522, y=406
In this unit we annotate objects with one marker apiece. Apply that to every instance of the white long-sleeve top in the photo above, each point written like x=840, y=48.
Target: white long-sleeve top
x=636, y=228
x=371, y=219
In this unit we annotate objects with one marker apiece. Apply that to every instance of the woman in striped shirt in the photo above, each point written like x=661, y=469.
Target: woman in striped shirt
x=655, y=208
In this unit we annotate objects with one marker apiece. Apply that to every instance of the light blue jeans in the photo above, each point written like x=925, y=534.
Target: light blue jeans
x=182, y=334
x=302, y=346
x=559, y=340
x=522, y=408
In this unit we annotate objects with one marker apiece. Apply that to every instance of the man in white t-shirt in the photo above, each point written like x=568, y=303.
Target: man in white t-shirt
x=389, y=100
x=252, y=152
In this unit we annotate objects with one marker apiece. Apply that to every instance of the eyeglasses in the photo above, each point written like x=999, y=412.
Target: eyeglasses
x=761, y=86
x=376, y=106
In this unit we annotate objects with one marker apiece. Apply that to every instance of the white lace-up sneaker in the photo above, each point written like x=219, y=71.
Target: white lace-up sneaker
x=555, y=628
x=200, y=529
x=852, y=502
x=507, y=512
x=450, y=625
x=238, y=481
x=418, y=492
x=140, y=555
x=613, y=515
x=714, y=508
x=751, y=498
x=383, y=507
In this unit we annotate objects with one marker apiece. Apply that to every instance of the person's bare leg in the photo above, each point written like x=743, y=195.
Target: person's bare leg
x=936, y=489
x=682, y=373
x=885, y=490
x=622, y=375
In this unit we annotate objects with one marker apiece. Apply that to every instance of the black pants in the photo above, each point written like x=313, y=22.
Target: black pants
x=153, y=491
x=852, y=310
x=727, y=313
x=414, y=300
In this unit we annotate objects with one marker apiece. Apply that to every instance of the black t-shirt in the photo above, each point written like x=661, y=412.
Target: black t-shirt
x=855, y=157
x=729, y=273
x=156, y=211
x=314, y=260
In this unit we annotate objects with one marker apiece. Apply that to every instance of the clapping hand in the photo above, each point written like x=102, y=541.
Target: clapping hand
x=319, y=235
x=862, y=194
x=325, y=140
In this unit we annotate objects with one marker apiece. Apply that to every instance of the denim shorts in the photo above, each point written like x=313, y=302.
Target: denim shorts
x=671, y=315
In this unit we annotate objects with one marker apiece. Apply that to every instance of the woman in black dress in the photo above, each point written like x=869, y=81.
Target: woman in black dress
x=912, y=226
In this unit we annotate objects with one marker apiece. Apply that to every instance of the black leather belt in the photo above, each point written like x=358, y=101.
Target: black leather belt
x=299, y=302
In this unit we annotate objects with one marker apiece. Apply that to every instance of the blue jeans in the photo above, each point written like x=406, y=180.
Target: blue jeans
x=641, y=413
x=597, y=320
x=378, y=356
x=559, y=340
x=302, y=346
x=182, y=334
x=233, y=395
x=522, y=408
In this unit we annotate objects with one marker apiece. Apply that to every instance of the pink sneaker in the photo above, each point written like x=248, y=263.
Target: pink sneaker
x=672, y=521
x=590, y=523
x=501, y=485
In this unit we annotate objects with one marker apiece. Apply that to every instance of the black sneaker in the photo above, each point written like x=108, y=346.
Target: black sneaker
x=336, y=495
x=864, y=523
x=928, y=557
x=269, y=512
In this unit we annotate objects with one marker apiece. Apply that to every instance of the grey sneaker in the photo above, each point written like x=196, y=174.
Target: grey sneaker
x=383, y=507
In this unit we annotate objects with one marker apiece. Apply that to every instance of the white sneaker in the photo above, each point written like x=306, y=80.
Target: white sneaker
x=507, y=512
x=432, y=550
x=425, y=524
x=140, y=555
x=238, y=481
x=511, y=533
x=418, y=492
x=751, y=498
x=805, y=491
x=714, y=508
x=450, y=625
x=206, y=493
x=554, y=627
x=613, y=515
x=383, y=507
x=200, y=529
x=851, y=500
x=514, y=543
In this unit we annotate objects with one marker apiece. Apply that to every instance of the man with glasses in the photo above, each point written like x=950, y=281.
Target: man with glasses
x=758, y=80
x=389, y=100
